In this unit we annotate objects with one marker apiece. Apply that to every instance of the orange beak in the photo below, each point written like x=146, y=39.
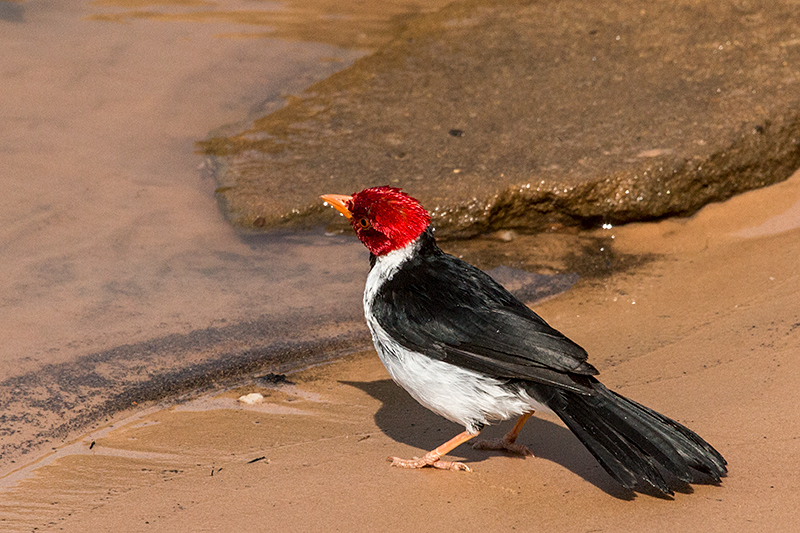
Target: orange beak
x=338, y=202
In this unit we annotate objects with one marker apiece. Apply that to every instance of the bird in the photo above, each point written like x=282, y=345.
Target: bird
x=464, y=347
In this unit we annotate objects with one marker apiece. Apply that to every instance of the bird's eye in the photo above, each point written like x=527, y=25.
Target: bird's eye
x=363, y=222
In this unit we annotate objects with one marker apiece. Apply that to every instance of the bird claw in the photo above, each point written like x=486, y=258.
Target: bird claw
x=422, y=462
x=452, y=465
x=503, y=445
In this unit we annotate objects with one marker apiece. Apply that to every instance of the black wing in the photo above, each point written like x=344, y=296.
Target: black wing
x=440, y=306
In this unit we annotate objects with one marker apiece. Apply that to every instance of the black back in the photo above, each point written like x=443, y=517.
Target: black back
x=447, y=309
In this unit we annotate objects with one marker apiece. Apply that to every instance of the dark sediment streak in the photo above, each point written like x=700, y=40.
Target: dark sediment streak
x=59, y=400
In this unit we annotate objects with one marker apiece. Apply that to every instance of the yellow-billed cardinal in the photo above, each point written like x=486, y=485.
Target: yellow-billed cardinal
x=465, y=348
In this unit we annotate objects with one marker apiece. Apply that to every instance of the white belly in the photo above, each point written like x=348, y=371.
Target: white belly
x=460, y=395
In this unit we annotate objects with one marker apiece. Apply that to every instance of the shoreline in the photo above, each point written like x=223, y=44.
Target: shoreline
x=706, y=334
x=100, y=387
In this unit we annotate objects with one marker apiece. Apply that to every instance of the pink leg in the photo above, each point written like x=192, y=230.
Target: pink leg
x=433, y=457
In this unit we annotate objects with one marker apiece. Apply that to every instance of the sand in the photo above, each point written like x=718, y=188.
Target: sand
x=707, y=333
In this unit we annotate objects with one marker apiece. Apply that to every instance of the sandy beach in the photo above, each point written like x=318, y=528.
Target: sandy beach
x=706, y=333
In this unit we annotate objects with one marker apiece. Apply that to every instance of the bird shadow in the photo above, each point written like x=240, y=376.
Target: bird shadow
x=404, y=420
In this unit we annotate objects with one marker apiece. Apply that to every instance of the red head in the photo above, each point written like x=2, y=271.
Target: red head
x=384, y=218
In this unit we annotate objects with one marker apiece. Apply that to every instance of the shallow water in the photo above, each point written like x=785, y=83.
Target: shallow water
x=110, y=231
x=111, y=237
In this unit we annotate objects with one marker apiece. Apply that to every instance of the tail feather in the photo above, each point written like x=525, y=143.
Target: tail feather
x=695, y=452
x=622, y=458
x=637, y=426
x=629, y=440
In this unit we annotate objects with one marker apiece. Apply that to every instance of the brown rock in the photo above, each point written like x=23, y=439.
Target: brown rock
x=501, y=115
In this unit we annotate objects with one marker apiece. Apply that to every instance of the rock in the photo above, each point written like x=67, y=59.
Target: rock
x=252, y=398
x=532, y=115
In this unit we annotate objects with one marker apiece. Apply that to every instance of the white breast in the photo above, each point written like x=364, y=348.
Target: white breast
x=458, y=394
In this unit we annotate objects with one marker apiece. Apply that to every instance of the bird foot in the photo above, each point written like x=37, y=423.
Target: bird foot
x=504, y=445
x=421, y=462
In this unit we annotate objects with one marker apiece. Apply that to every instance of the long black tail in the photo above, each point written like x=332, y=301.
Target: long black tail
x=628, y=439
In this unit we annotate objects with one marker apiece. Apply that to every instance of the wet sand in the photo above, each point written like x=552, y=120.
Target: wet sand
x=707, y=333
